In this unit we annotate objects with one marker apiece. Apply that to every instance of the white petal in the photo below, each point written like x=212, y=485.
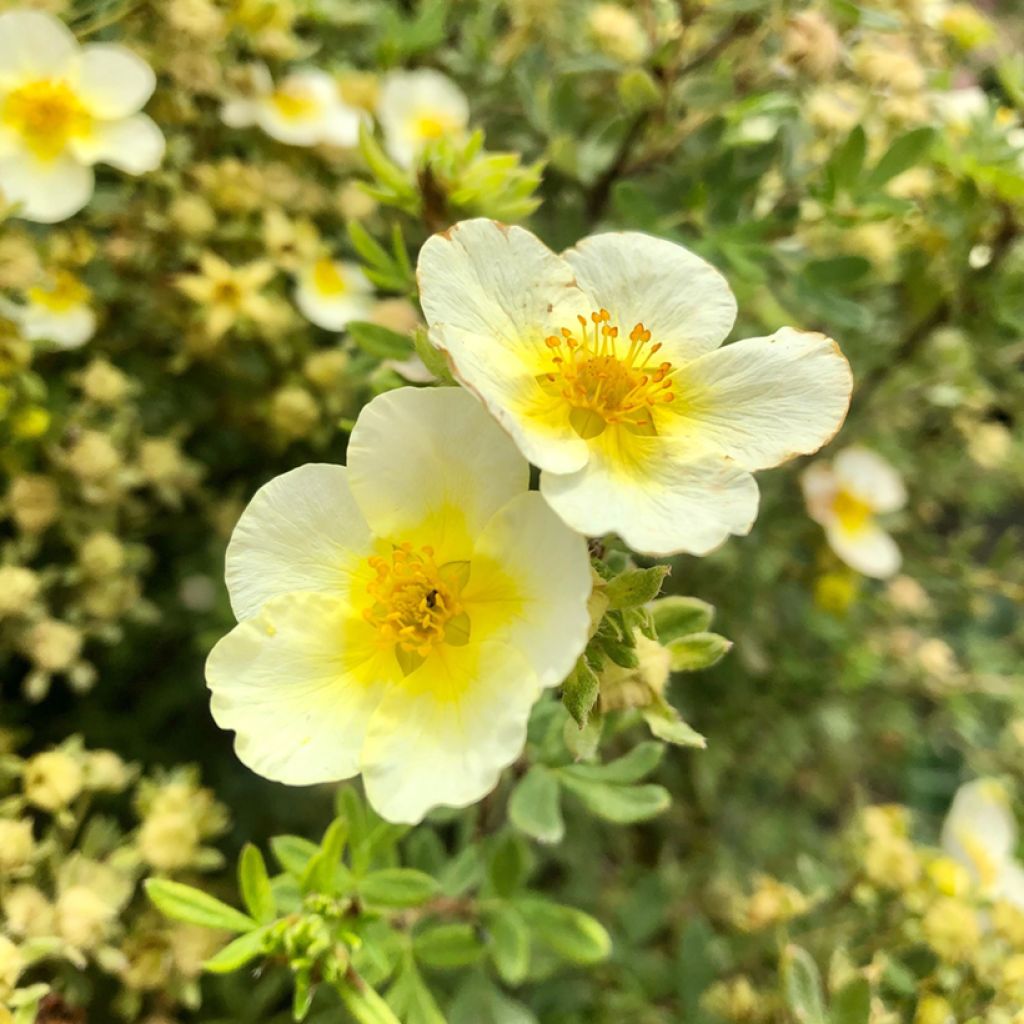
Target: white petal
x=305, y=131
x=297, y=684
x=444, y=741
x=1010, y=886
x=868, y=476
x=869, y=549
x=681, y=299
x=341, y=126
x=113, y=82
x=979, y=830
x=764, y=400
x=34, y=45
x=133, y=144
x=67, y=330
x=333, y=311
x=239, y=113
x=491, y=294
x=406, y=96
x=819, y=486
x=538, y=598
x=47, y=191
x=658, y=503
x=432, y=461
x=302, y=531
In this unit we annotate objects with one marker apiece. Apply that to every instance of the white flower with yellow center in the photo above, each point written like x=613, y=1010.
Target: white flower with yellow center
x=304, y=109
x=57, y=311
x=416, y=108
x=980, y=833
x=330, y=293
x=64, y=108
x=399, y=616
x=604, y=365
x=845, y=497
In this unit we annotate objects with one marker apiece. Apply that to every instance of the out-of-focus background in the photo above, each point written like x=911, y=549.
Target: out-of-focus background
x=854, y=167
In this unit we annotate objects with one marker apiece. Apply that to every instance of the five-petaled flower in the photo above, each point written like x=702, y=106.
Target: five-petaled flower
x=399, y=616
x=64, y=108
x=604, y=365
x=845, y=497
x=57, y=310
x=417, y=108
x=330, y=293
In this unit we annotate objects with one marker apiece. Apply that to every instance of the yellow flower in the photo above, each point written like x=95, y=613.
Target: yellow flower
x=64, y=108
x=304, y=109
x=12, y=963
x=17, y=844
x=58, y=311
x=330, y=293
x=951, y=927
x=604, y=365
x=52, y=780
x=399, y=616
x=617, y=32
x=229, y=294
x=416, y=108
x=34, y=502
x=845, y=497
x=18, y=589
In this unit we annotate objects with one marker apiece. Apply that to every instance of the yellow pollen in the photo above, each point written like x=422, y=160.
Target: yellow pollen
x=63, y=293
x=415, y=604
x=604, y=380
x=852, y=512
x=432, y=125
x=293, y=103
x=328, y=279
x=47, y=115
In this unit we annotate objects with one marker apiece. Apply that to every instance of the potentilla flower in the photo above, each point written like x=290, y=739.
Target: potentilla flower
x=845, y=497
x=418, y=107
x=58, y=311
x=399, y=616
x=604, y=366
x=980, y=833
x=64, y=108
x=330, y=293
x=230, y=294
x=304, y=109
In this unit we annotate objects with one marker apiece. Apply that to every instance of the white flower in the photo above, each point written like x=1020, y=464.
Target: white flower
x=330, y=293
x=981, y=834
x=57, y=311
x=845, y=497
x=960, y=108
x=417, y=107
x=604, y=365
x=399, y=616
x=64, y=108
x=304, y=109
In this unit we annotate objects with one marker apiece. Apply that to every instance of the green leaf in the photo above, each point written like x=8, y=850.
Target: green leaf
x=383, y=169
x=696, y=969
x=852, y=1003
x=839, y=271
x=447, y=946
x=570, y=933
x=677, y=616
x=365, y=1005
x=697, y=651
x=397, y=887
x=636, y=587
x=411, y=999
x=903, y=154
x=848, y=160
x=534, y=806
x=620, y=804
x=802, y=986
x=510, y=944
x=580, y=691
x=631, y=767
x=238, y=952
x=254, y=884
x=508, y=864
x=293, y=853
x=380, y=341
x=193, y=906
x=432, y=358
x=322, y=872
x=665, y=723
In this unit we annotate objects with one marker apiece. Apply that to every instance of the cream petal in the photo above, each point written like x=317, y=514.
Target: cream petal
x=538, y=597
x=980, y=831
x=431, y=462
x=491, y=294
x=297, y=684
x=1010, y=885
x=132, y=144
x=332, y=314
x=34, y=45
x=305, y=131
x=302, y=531
x=763, y=400
x=868, y=476
x=113, y=82
x=443, y=739
x=240, y=113
x=408, y=95
x=67, y=330
x=819, y=486
x=46, y=191
x=641, y=489
x=341, y=126
x=681, y=299
x=868, y=549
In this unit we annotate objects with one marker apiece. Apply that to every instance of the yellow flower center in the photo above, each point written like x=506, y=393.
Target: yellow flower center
x=415, y=604
x=852, y=512
x=63, y=294
x=603, y=381
x=227, y=293
x=328, y=279
x=46, y=114
x=293, y=103
x=430, y=125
